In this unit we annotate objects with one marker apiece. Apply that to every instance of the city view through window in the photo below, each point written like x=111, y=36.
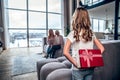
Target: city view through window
x=28, y=21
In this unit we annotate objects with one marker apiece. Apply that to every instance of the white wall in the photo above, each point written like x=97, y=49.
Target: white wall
x=106, y=11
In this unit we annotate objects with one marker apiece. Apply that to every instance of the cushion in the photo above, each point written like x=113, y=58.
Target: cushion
x=67, y=63
x=49, y=67
x=60, y=74
x=61, y=59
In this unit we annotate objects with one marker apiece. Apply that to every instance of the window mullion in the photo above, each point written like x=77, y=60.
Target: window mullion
x=46, y=17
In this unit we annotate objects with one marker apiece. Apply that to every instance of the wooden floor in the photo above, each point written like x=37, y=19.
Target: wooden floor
x=6, y=60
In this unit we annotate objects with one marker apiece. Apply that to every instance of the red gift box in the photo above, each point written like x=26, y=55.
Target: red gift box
x=90, y=58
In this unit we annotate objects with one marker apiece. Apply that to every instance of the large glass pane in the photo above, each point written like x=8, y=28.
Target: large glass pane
x=101, y=25
x=17, y=19
x=119, y=10
x=35, y=37
x=54, y=21
x=54, y=6
x=37, y=5
x=83, y=1
x=119, y=37
x=119, y=27
x=37, y=20
x=20, y=4
x=18, y=38
x=95, y=1
x=89, y=2
x=95, y=25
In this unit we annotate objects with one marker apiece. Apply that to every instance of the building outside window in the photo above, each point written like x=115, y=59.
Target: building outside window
x=28, y=21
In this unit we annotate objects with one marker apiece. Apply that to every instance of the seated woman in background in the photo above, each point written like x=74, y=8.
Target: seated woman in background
x=50, y=42
x=57, y=44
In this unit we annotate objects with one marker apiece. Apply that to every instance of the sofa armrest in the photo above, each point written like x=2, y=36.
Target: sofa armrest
x=46, y=61
x=43, y=62
x=49, y=67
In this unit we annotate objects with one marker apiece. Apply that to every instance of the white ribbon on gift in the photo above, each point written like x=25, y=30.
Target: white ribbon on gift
x=87, y=56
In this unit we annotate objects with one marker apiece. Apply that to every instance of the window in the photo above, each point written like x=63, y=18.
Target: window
x=18, y=4
x=38, y=5
x=95, y=25
x=37, y=20
x=92, y=2
x=18, y=38
x=98, y=25
x=118, y=27
x=101, y=25
x=54, y=6
x=17, y=19
x=54, y=21
x=28, y=21
x=119, y=10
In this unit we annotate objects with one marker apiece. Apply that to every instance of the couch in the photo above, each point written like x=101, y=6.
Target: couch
x=54, y=70
x=99, y=35
x=58, y=63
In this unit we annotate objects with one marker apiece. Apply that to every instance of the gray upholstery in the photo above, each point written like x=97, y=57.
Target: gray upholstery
x=100, y=35
x=58, y=53
x=49, y=67
x=62, y=74
x=110, y=70
x=61, y=59
x=67, y=63
x=43, y=62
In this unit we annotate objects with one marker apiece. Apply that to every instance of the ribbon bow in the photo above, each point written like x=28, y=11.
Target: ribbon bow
x=87, y=56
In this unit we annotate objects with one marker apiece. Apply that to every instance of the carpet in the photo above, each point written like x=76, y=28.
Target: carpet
x=29, y=76
x=25, y=64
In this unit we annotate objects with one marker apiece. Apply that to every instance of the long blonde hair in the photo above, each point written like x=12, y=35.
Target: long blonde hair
x=51, y=34
x=81, y=22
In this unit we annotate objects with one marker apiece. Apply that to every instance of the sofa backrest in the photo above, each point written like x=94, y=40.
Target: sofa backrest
x=100, y=35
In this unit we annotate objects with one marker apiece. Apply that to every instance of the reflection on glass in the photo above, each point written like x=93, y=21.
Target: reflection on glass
x=37, y=20
x=91, y=2
x=39, y=5
x=54, y=6
x=95, y=25
x=18, y=38
x=101, y=25
x=54, y=21
x=119, y=27
x=119, y=37
x=83, y=2
x=20, y=4
x=119, y=10
x=17, y=19
x=95, y=1
x=35, y=37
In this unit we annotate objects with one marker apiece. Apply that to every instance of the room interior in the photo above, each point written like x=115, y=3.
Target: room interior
x=19, y=63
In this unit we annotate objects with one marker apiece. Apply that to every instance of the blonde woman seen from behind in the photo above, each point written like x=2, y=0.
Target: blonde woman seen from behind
x=81, y=37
